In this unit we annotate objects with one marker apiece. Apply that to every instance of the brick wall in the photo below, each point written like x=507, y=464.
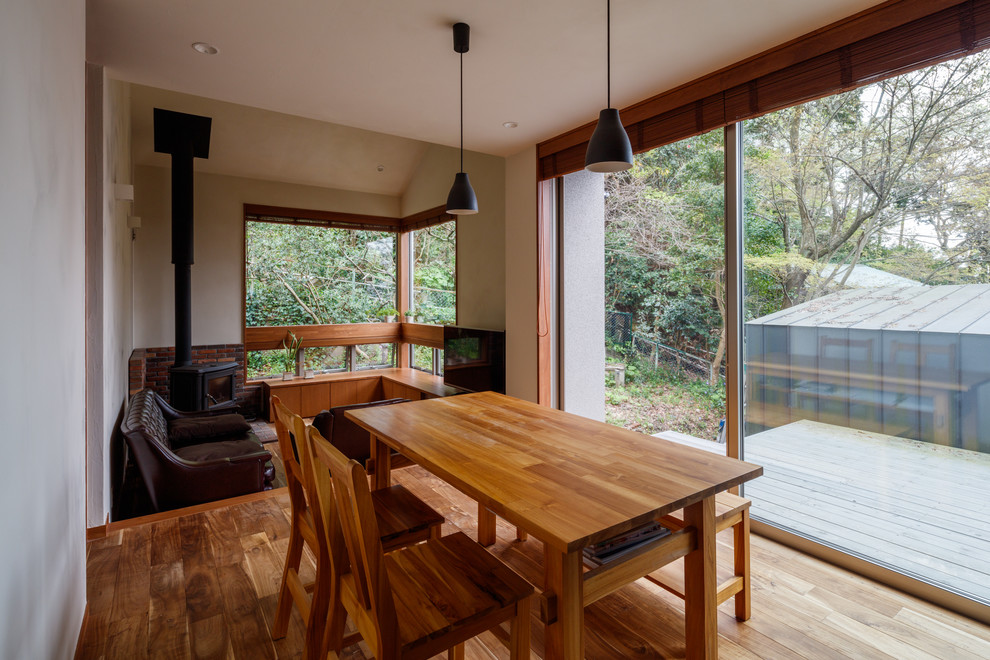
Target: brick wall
x=148, y=367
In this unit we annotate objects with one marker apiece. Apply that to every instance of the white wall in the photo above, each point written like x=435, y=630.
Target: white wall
x=218, y=271
x=582, y=264
x=520, y=275
x=108, y=290
x=42, y=78
x=480, y=237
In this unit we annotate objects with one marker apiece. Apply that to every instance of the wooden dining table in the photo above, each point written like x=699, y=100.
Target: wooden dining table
x=570, y=482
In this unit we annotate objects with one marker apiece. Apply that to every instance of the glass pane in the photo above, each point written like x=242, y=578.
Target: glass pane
x=434, y=273
x=664, y=259
x=375, y=356
x=325, y=359
x=265, y=364
x=867, y=322
x=299, y=275
x=423, y=358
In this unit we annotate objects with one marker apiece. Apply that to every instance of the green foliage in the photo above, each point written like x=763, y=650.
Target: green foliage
x=264, y=364
x=299, y=275
x=290, y=350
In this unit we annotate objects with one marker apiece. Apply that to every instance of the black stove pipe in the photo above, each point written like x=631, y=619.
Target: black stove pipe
x=182, y=250
x=185, y=137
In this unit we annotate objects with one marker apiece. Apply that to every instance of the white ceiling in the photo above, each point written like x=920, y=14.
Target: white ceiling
x=261, y=144
x=389, y=65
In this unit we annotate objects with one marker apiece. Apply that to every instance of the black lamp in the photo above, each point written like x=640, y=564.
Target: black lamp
x=609, y=149
x=462, y=200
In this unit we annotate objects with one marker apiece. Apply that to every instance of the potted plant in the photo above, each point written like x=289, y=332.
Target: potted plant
x=389, y=314
x=409, y=316
x=290, y=350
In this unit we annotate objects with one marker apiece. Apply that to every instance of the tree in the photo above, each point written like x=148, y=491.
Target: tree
x=664, y=243
x=301, y=275
x=887, y=165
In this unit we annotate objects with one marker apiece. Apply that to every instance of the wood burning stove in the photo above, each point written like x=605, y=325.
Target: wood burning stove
x=202, y=386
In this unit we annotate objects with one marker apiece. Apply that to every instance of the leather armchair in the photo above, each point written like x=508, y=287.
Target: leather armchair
x=185, y=469
x=352, y=440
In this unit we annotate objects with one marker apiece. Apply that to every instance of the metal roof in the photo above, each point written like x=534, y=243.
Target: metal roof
x=951, y=308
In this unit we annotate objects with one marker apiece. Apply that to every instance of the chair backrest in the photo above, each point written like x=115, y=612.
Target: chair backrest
x=350, y=513
x=289, y=440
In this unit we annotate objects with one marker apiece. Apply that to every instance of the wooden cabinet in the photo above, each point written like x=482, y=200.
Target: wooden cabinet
x=355, y=391
x=309, y=397
x=314, y=399
x=291, y=399
x=394, y=390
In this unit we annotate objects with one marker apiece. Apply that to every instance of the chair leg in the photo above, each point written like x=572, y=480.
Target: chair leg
x=519, y=631
x=329, y=637
x=740, y=552
x=284, y=608
x=521, y=534
x=456, y=652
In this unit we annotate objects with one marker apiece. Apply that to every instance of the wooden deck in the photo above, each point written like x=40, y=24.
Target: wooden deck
x=915, y=507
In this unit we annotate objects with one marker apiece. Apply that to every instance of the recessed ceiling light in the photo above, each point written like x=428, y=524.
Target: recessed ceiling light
x=510, y=124
x=380, y=168
x=205, y=48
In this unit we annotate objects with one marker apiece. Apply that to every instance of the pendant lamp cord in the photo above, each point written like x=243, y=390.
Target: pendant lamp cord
x=608, y=54
x=462, y=112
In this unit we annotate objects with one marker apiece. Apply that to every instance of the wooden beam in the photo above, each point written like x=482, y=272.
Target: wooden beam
x=423, y=334
x=544, y=291
x=323, y=217
x=341, y=334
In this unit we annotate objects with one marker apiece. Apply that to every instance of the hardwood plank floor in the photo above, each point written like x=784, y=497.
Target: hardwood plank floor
x=204, y=585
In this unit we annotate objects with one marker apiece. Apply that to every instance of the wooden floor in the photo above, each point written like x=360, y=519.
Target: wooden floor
x=204, y=585
x=915, y=507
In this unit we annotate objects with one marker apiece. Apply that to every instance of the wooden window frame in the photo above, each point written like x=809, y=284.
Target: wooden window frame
x=402, y=334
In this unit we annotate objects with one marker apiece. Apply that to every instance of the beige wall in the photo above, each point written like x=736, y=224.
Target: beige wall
x=42, y=78
x=480, y=237
x=520, y=274
x=217, y=275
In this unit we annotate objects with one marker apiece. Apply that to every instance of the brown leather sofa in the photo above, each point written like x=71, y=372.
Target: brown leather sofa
x=191, y=458
x=352, y=440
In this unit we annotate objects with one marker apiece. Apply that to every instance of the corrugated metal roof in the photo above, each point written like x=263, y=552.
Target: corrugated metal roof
x=949, y=308
x=868, y=277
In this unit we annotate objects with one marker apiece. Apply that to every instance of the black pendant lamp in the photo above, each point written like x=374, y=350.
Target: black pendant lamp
x=461, y=200
x=609, y=149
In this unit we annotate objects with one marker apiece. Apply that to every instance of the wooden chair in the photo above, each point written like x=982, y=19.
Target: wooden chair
x=403, y=519
x=417, y=601
x=730, y=511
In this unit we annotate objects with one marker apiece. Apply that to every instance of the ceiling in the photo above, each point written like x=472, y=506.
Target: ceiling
x=388, y=65
x=261, y=144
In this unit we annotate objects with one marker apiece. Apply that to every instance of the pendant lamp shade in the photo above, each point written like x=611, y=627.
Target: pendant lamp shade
x=609, y=149
x=461, y=200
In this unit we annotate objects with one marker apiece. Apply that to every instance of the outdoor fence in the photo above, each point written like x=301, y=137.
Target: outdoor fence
x=649, y=352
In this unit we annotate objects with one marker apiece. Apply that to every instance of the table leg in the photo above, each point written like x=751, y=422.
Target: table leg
x=564, y=583
x=486, y=526
x=382, y=454
x=700, y=607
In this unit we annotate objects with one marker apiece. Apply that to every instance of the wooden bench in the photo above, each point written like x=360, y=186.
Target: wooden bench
x=730, y=511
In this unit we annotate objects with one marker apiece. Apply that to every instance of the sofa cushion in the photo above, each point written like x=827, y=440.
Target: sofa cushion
x=193, y=430
x=222, y=449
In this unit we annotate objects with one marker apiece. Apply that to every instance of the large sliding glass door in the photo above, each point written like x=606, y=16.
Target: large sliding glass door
x=866, y=375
